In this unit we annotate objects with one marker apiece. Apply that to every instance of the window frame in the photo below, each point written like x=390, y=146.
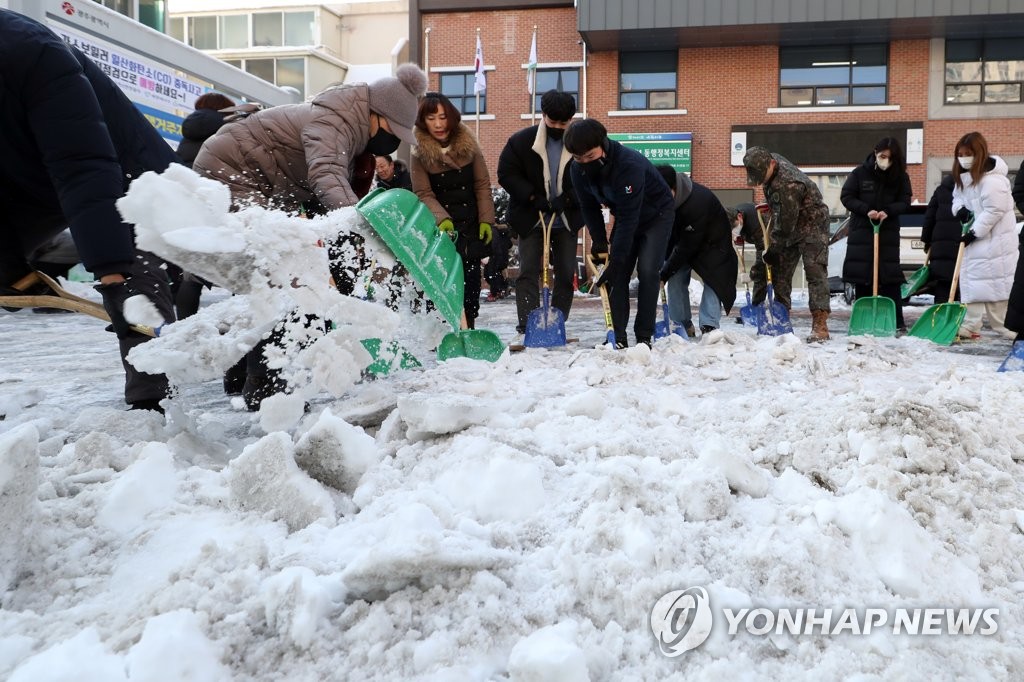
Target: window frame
x=984, y=47
x=539, y=91
x=834, y=59
x=466, y=95
x=653, y=59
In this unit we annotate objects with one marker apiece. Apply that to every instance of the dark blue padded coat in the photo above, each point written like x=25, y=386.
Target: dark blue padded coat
x=70, y=142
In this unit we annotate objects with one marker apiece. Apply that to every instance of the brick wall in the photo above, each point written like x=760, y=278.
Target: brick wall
x=718, y=87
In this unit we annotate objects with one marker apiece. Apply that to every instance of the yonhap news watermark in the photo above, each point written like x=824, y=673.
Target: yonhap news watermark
x=682, y=620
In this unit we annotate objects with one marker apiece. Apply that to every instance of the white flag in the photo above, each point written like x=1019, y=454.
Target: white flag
x=531, y=66
x=481, y=80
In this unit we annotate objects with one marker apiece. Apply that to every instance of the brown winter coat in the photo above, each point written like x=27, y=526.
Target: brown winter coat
x=288, y=154
x=429, y=158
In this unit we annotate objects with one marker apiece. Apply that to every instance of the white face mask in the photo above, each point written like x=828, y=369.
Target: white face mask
x=882, y=162
x=965, y=162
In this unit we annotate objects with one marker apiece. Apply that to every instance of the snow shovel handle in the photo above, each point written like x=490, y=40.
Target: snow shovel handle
x=546, y=258
x=964, y=229
x=875, y=227
x=765, y=209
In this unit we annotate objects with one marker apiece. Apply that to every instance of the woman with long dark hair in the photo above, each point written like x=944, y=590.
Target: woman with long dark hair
x=877, y=191
x=450, y=176
x=982, y=198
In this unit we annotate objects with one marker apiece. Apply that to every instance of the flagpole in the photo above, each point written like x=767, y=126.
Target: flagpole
x=583, y=104
x=477, y=91
x=426, y=54
x=533, y=87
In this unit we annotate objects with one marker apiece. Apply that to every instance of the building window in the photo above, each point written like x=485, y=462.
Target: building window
x=234, y=31
x=647, y=80
x=563, y=80
x=458, y=87
x=286, y=71
x=833, y=76
x=176, y=28
x=120, y=6
x=202, y=33
x=266, y=29
x=298, y=29
x=291, y=72
x=261, y=68
x=984, y=71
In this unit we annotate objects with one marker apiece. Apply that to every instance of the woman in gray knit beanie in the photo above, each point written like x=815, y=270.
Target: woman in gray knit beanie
x=316, y=156
x=319, y=152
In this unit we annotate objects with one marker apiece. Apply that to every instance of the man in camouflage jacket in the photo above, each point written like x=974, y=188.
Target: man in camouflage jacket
x=799, y=228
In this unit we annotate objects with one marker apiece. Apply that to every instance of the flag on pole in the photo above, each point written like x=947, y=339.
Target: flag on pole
x=531, y=66
x=481, y=80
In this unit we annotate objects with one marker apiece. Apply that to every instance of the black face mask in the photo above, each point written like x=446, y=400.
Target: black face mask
x=554, y=133
x=383, y=143
x=592, y=169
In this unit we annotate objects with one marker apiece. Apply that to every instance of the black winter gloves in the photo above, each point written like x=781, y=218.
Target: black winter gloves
x=609, y=273
x=771, y=258
x=968, y=237
x=964, y=215
x=541, y=204
x=666, y=272
x=599, y=252
x=114, y=295
x=558, y=204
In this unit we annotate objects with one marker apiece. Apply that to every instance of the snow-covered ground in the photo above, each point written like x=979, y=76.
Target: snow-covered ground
x=515, y=520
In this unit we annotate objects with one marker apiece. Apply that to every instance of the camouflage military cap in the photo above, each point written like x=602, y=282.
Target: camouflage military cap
x=756, y=161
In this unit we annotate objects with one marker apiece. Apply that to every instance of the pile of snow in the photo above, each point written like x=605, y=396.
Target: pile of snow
x=516, y=520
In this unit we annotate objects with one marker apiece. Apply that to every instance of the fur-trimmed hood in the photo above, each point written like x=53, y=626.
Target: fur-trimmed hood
x=462, y=148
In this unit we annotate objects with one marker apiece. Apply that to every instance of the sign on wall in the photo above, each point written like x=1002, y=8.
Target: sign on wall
x=163, y=96
x=660, y=148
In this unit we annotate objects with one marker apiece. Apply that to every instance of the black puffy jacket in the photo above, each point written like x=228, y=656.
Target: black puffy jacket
x=870, y=189
x=941, y=232
x=70, y=142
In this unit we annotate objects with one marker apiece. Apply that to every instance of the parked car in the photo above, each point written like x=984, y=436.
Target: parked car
x=912, y=255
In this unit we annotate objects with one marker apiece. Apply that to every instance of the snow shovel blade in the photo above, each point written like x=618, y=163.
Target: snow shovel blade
x=874, y=315
x=772, y=318
x=915, y=282
x=545, y=326
x=385, y=357
x=940, y=323
x=747, y=313
x=1014, y=362
x=663, y=327
x=408, y=228
x=478, y=344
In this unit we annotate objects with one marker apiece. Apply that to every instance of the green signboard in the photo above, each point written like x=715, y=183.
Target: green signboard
x=661, y=148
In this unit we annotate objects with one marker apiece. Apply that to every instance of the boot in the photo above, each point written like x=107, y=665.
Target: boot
x=819, y=328
x=257, y=388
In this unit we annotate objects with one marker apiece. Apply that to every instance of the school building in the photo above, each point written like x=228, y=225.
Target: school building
x=696, y=82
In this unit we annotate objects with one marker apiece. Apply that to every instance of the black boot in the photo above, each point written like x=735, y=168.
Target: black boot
x=234, y=378
x=257, y=388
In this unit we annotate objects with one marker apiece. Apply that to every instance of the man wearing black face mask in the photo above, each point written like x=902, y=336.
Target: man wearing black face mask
x=533, y=169
x=605, y=172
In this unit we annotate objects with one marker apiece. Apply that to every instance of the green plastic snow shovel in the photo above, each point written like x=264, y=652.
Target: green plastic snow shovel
x=874, y=314
x=409, y=229
x=386, y=355
x=478, y=344
x=917, y=280
x=941, y=322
